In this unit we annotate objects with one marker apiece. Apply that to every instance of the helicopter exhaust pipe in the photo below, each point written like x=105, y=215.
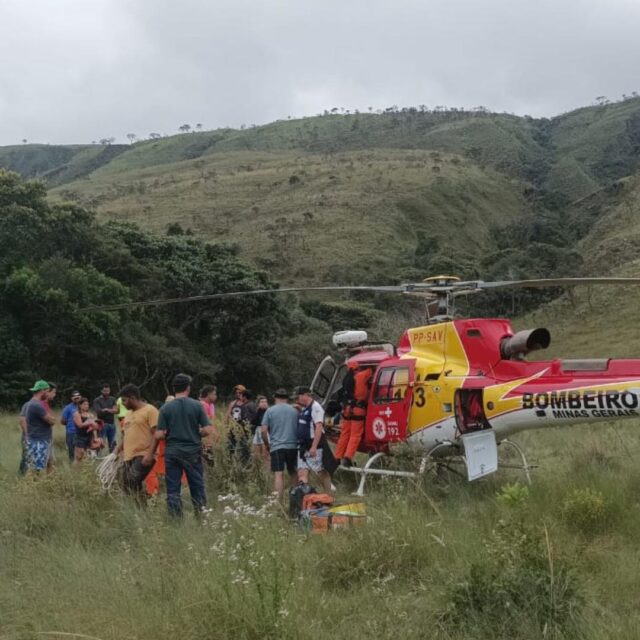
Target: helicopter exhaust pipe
x=523, y=342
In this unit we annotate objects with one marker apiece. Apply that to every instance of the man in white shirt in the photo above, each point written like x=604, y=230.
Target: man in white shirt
x=310, y=431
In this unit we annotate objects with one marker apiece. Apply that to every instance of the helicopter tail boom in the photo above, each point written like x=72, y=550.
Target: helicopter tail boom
x=571, y=394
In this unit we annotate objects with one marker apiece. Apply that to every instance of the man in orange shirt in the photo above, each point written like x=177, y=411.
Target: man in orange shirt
x=137, y=442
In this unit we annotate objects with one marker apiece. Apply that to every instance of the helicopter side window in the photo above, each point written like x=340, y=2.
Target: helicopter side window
x=391, y=385
x=322, y=385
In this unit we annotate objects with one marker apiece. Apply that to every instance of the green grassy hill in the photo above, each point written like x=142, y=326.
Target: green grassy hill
x=353, y=216
x=362, y=197
x=505, y=141
x=591, y=147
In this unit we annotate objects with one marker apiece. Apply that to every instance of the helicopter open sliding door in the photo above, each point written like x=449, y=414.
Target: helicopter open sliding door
x=327, y=381
x=389, y=402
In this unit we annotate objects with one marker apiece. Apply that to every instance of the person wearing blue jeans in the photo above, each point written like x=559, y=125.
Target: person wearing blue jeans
x=182, y=423
x=108, y=433
x=194, y=470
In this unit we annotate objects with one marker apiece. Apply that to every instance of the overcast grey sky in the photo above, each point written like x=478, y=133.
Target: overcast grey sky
x=79, y=70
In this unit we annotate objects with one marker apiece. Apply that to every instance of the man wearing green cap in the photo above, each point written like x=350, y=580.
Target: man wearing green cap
x=39, y=424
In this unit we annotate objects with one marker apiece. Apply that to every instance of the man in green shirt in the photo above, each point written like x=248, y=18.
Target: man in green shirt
x=182, y=423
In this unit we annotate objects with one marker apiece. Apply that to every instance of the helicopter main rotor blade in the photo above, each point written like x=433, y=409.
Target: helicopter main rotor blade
x=238, y=294
x=421, y=289
x=466, y=288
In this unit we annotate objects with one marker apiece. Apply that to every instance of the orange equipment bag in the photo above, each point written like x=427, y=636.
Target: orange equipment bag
x=316, y=501
x=321, y=517
x=322, y=522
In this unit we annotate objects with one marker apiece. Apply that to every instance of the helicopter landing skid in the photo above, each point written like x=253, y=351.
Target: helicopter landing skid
x=367, y=470
x=441, y=463
x=525, y=467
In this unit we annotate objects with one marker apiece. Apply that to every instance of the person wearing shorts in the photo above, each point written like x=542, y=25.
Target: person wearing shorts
x=310, y=431
x=39, y=423
x=262, y=404
x=85, y=425
x=279, y=431
x=83, y=439
x=39, y=452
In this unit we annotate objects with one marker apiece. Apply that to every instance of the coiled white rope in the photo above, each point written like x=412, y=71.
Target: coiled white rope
x=107, y=470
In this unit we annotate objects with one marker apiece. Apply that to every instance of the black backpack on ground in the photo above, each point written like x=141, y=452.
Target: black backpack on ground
x=296, y=496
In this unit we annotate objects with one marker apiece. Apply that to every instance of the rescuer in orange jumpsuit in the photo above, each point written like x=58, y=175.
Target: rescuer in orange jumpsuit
x=152, y=482
x=354, y=413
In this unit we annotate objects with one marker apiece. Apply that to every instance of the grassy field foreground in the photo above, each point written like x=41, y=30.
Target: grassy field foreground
x=492, y=560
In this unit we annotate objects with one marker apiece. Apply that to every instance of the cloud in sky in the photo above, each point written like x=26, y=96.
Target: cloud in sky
x=80, y=70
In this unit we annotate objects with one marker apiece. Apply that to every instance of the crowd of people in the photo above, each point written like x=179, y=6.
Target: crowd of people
x=177, y=439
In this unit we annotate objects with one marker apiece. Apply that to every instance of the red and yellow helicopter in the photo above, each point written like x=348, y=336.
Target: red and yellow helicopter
x=463, y=386
x=460, y=387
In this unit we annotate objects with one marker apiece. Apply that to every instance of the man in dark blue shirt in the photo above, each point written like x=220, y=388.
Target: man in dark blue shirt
x=66, y=418
x=182, y=423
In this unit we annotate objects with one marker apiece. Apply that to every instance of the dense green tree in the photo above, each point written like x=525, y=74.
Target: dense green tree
x=57, y=261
